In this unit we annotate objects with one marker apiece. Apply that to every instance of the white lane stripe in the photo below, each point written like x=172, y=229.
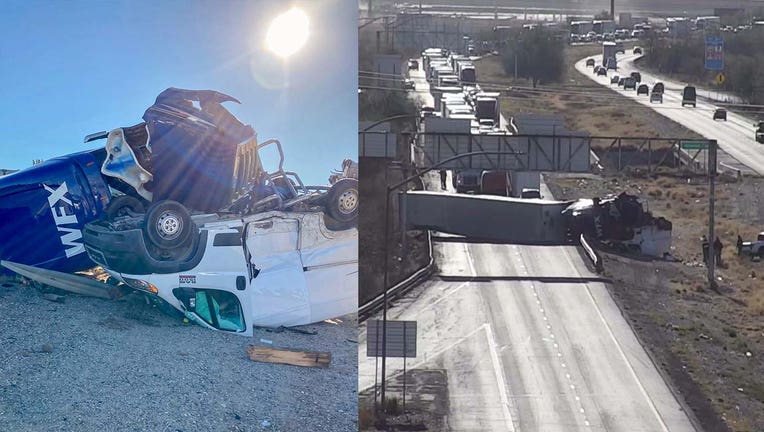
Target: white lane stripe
x=620, y=350
x=500, y=380
x=469, y=259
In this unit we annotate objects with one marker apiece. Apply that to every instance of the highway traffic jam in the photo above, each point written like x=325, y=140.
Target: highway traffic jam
x=524, y=328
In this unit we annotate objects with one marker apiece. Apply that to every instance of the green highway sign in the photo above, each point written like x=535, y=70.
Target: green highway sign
x=694, y=145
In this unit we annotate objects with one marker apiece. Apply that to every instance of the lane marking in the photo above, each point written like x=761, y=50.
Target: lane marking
x=469, y=259
x=642, y=389
x=500, y=380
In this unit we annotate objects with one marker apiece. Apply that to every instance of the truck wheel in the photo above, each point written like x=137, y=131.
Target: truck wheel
x=342, y=200
x=168, y=224
x=122, y=206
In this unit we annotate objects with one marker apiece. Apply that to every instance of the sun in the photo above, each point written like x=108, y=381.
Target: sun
x=288, y=32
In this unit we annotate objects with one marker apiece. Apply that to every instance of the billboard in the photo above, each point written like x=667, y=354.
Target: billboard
x=714, y=52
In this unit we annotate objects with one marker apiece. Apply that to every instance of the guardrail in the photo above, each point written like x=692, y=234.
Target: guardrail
x=593, y=255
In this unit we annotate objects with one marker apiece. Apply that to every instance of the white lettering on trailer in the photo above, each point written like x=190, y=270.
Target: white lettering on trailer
x=61, y=217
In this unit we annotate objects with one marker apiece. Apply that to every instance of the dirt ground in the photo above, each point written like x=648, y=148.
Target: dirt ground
x=405, y=259
x=88, y=364
x=426, y=403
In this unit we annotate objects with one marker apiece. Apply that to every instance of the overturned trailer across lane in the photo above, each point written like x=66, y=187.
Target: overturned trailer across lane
x=616, y=220
x=511, y=220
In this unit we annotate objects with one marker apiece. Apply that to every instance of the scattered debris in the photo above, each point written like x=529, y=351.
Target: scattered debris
x=266, y=341
x=290, y=357
x=265, y=424
x=47, y=348
x=54, y=297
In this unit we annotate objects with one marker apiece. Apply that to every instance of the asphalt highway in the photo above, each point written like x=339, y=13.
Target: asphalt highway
x=523, y=352
x=734, y=136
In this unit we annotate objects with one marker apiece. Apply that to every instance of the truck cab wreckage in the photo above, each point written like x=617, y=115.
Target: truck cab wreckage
x=185, y=212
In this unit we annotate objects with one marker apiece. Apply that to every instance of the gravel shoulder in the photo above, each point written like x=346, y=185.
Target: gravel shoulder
x=90, y=365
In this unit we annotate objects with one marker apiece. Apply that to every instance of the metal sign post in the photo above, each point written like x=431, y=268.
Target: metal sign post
x=398, y=340
x=711, y=202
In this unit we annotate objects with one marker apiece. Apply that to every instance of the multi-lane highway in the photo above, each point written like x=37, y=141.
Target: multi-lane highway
x=526, y=353
x=735, y=136
x=530, y=341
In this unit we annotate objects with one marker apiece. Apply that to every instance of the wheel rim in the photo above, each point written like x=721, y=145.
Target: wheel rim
x=348, y=201
x=169, y=225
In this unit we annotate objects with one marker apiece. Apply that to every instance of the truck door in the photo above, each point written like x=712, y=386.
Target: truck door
x=220, y=297
x=279, y=293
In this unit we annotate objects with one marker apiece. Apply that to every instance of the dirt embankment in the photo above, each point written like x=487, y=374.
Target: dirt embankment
x=405, y=256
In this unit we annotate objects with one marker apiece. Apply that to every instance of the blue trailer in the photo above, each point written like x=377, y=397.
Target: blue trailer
x=44, y=208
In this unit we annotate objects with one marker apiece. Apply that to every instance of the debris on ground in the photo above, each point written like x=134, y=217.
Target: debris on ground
x=289, y=356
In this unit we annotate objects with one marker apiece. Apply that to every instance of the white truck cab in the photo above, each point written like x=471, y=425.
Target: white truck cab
x=268, y=269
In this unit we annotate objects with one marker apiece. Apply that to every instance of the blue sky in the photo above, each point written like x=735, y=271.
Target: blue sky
x=70, y=68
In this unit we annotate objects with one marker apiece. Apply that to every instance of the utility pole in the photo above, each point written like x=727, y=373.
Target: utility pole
x=612, y=10
x=711, y=203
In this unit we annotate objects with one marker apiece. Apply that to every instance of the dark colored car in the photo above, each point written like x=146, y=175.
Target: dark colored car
x=720, y=114
x=529, y=193
x=643, y=89
x=602, y=71
x=637, y=76
x=689, y=96
x=590, y=62
x=495, y=183
x=621, y=82
x=630, y=83
x=658, y=87
x=413, y=64
x=467, y=181
x=615, y=79
x=637, y=50
x=759, y=134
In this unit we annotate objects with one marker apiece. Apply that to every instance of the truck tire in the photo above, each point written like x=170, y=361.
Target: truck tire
x=342, y=200
x=122, y=205
x=168, y=224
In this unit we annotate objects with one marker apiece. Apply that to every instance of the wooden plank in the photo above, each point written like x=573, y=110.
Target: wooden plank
x=289, y=356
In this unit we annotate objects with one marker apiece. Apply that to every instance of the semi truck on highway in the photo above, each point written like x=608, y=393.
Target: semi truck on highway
x=609, y=50
x=487, y=107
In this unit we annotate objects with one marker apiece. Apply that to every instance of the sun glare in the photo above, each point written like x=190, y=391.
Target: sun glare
x=287, y=33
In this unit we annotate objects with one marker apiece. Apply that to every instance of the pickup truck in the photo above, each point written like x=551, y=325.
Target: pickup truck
x=754, y=248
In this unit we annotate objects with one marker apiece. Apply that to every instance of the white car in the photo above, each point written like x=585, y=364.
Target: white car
x=267, y=269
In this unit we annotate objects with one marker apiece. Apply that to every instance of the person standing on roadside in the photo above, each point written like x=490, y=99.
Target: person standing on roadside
x=704, y=244
x=718, y=251
x=443, y=179
x=739, y=244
